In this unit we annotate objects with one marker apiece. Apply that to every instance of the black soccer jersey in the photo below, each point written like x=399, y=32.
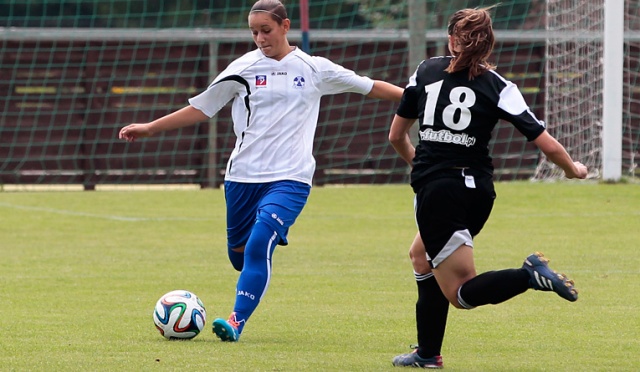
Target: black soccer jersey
x=457, y=116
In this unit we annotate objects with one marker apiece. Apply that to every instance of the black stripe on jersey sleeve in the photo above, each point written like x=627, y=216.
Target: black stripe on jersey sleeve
x=239, y=79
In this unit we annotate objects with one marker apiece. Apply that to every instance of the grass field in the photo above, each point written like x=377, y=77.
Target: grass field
x=81, y=271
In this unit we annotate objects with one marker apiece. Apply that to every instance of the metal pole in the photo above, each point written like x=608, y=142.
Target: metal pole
x=613, y=63
x=417, y=45
x=304, y=25
x=212, y=169
x=417, y=33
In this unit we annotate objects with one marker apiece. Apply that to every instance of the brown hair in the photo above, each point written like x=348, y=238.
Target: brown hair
x=275, y=9
x=472, y=30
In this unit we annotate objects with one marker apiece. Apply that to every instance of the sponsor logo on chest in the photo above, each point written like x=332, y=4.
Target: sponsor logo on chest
x=261, y=81
x=297, y=82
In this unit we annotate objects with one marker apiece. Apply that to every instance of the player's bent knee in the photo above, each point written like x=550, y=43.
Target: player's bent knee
x=451, y=293
x=236, y=257
x=238, y=264
x=457, y=305
x=419, y=261
x=453, y=300
x=274, y=223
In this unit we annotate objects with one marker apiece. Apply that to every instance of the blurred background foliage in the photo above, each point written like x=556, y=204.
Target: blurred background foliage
x=325, y=14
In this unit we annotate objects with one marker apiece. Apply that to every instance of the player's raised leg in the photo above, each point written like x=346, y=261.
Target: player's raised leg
x=542, y=278
x=278, y=207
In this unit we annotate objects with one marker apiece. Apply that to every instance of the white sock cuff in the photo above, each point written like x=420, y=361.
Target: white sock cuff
x=421, y=277
x=462, y=302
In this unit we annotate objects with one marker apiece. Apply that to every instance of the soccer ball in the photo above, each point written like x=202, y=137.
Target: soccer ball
x=179, y=315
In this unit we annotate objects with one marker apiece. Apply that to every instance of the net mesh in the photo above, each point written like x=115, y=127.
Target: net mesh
x=574, y=81
x=573, y=108
x=73, y=73
x=631, y=93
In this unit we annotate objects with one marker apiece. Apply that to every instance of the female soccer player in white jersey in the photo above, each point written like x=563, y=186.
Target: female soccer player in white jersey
x=276, y=91
x=458, y=101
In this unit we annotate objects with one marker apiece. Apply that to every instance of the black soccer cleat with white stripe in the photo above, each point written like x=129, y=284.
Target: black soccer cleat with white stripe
x=545, y=279
x=414, y=360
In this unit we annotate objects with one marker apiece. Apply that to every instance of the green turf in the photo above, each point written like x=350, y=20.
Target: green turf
x=81, y=271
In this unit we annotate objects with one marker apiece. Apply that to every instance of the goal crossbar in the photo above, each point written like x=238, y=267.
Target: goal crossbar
x=234, y=35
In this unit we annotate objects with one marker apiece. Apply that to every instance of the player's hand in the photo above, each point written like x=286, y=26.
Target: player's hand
x=579, y=172
x=133, y=131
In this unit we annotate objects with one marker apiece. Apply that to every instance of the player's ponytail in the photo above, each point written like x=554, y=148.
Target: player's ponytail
x=472, y=31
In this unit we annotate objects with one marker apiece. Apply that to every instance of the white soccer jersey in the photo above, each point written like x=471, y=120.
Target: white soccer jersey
x=275, y=111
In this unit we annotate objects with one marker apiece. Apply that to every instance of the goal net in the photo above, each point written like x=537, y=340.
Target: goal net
x=73, y=73
x=574, y=86
x=631, y=92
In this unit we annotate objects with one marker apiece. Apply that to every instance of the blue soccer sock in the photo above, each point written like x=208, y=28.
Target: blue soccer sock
x=236, y=259
x=256, y=274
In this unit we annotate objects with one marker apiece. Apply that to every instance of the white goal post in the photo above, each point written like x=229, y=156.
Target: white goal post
x=612, y=92
x=587, y=70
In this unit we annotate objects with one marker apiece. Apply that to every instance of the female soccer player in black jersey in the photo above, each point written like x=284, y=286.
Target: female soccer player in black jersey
x=458, y=100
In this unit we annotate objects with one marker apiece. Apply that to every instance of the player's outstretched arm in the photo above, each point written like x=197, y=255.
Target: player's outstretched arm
x=182, y=118
x=559, y=156
x=383, y=90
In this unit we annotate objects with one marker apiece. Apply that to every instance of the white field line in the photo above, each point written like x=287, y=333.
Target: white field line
x=568, y=215
x=322, y=217
x=100, y=216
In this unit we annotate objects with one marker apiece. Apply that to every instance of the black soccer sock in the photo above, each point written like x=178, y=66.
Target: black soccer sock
x=493, y=287
x=432, y=308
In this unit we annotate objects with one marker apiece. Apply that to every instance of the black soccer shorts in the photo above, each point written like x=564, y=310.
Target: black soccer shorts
x=452, y=206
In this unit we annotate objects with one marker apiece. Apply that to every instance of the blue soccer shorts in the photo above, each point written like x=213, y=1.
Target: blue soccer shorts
x=277, y=204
